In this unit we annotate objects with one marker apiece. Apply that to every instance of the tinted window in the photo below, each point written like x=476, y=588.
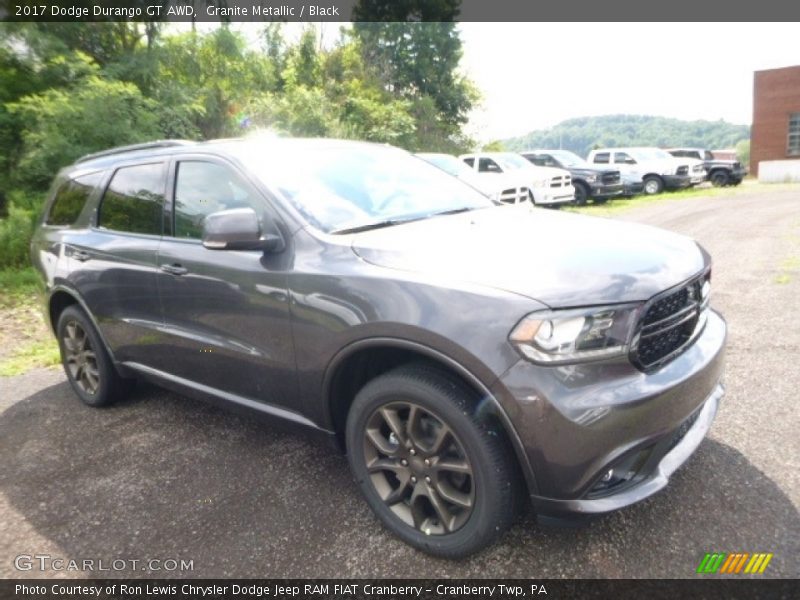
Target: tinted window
x=623, y=158
x=470, y=161
x=134, y=200
x=487, y=165
x=601, y=157
x=71, y=197
x=202, y=188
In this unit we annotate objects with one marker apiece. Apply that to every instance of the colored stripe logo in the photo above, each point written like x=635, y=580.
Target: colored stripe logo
x=734, y=563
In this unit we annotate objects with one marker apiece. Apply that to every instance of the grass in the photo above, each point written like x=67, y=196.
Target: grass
x=25, y=341
x=40, y=353
x=621, y=205
x=18, y=285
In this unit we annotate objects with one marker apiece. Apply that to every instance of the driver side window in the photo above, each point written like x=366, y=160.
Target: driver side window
x=202, y=188
x=623, y=158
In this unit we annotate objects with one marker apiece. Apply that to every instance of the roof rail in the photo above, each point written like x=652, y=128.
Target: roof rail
x=134, y=148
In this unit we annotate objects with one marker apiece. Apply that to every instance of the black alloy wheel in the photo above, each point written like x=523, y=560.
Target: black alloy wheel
x=88, y=367
x=419, y=468
x=80, y=359
x=433, y=465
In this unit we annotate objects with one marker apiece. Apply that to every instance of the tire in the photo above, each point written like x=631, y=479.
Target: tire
x=86, y=363
x=581, y=194
x=719, y=178
x=403, y=424
x=653, y=184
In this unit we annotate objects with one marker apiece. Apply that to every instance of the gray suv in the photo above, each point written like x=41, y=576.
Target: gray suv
x=470, y=358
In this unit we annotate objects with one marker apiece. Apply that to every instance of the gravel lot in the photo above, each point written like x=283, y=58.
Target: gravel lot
x=160, y=476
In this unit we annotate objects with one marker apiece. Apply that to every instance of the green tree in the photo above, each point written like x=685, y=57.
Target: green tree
x=59, y=125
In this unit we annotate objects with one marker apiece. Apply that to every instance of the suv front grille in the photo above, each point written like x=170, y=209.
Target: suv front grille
x=669, y=324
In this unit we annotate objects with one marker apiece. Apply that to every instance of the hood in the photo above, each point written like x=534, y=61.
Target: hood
x=549, y=171
x=560, y=259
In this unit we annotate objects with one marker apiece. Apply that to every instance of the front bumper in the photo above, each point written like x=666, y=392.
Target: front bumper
x=601, y=191
x=676, y=182
x=578, y=421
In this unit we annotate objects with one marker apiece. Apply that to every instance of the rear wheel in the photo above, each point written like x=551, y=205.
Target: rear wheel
x=719, y=178
x=87, y=364
x=653, y=185
x=435, y=471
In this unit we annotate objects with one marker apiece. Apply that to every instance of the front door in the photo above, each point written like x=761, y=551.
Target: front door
x=226, y=313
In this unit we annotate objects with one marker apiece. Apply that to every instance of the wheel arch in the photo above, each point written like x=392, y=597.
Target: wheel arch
x=361, y=361
x=62, y=297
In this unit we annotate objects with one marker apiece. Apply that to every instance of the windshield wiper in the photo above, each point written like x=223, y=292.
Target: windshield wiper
x=453, y=211
x=374, y=225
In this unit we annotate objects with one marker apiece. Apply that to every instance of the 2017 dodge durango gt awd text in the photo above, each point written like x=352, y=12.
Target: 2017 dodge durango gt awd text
x=470, y=357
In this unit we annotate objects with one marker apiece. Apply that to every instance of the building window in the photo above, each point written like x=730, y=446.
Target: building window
x=793, y=144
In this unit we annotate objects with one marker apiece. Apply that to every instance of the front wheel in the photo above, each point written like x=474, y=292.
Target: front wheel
x=653, y=185
x=436, y=471
x=581, y=194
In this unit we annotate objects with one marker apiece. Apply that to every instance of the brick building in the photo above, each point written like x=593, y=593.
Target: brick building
x=776, y=116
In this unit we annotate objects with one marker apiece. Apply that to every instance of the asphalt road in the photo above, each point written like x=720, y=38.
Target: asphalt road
x=160, y=476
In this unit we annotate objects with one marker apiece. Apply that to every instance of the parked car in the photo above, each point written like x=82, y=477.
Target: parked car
x=719, y=172
x=590, y=182
x=547, y=186
x=466, y=356
x=506, y=189
x=658, y=169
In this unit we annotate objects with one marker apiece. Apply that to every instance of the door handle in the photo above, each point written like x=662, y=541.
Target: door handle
x=174, y=269
x=81, y=255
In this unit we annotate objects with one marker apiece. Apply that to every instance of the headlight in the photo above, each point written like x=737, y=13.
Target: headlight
x=591, y=178
x=575, y=335
x=540, y=183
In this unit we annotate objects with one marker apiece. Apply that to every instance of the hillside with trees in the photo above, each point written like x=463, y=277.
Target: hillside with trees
x=583, y=134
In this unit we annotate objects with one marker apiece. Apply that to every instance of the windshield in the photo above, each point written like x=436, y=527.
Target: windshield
x=649, y=153
x=348, y=186
x=509, y=161
x=568, y=159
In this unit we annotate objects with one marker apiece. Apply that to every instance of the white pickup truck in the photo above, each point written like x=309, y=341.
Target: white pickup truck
x=504, y=188
x=547, y=185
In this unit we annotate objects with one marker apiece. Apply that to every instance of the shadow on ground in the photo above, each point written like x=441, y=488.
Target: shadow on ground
x=160, y=476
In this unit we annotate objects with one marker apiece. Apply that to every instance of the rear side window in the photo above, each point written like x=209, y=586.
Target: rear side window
x=623, y=158
x=71, y=198
x=601, y=157
x=202, y=188
x=134, y=200
x=470, y=161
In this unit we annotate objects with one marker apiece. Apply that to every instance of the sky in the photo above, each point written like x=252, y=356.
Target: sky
x=535, y=75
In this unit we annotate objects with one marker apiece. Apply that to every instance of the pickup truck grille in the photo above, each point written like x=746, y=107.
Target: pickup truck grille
x=610, y=177
x=668, y=325
x=557, y=182
x=683, y=170
x=514, y=195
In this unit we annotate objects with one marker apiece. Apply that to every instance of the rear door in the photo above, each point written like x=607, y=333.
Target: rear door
x=226, y=312
x=113, y=262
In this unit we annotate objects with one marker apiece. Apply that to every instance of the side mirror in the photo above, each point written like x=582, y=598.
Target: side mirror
x=239, y=229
